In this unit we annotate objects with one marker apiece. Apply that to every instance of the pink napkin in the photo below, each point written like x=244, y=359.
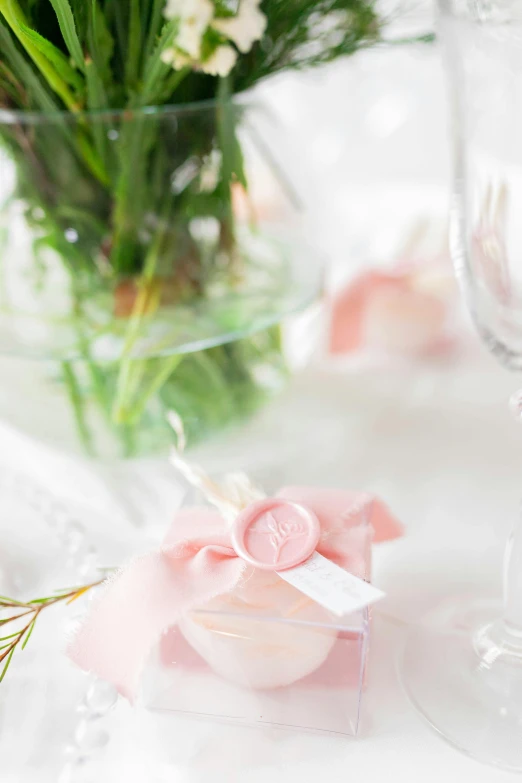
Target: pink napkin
x=403, y=311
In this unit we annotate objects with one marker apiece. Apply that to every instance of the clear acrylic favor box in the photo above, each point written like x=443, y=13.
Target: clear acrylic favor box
x=327, y=699
x=266, y=654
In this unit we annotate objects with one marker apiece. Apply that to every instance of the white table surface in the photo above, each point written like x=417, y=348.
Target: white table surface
x=436, y=442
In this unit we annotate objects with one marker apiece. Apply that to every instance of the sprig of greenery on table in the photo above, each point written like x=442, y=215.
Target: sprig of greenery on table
x=24, y=617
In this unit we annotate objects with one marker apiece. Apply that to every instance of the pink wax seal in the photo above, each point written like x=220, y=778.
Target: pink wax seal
x=275, y=534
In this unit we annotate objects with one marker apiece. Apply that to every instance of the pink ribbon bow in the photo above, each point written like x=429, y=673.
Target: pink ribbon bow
x=197, y=563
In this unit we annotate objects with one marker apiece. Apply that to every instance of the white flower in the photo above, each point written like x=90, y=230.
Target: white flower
x=194, y=18
x=188, y=9
x=247, y=26
x=220, y=62
x=190, y=34
x=210, y=172
x=176, y=58
x=167, y=56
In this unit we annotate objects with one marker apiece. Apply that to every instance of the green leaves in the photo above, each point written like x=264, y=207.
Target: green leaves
x=134, y=44
x=11, y=86
x=155, y=69
x=100, y=42
x=96, y=95
x=6, y=665
x=54, y=55
x=31, y=611
x=154, y=27
x=232, y=165
x=67, y=24
x=125, y=39
x=15, y=18
x=97, y=99
x=306, y=34
x=80, y=9
x=22, y=67
x=29, y=632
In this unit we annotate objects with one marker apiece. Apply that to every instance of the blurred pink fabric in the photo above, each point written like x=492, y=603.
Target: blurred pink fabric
x=404, y=311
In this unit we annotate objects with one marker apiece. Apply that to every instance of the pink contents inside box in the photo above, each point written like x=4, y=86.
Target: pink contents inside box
x=217, y=685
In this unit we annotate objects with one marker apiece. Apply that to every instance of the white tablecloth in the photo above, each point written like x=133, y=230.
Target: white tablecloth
x=437, y=444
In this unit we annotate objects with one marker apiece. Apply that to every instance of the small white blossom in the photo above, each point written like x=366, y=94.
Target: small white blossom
x=194, y=18
x=247, y=26
x=220, y=62
x=189, y=9
x=210, y=172
x=167, y=56
x=176, y=58
x=189, y=35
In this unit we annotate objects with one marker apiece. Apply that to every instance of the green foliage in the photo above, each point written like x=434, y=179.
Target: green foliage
x=55, y=56
x=23, y=617
x=100, y=47
x=34, y=94
x=67, y=24
x=304, y=34
x=120, y=40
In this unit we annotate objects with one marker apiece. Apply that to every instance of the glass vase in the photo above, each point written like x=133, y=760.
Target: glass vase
x=148, y=261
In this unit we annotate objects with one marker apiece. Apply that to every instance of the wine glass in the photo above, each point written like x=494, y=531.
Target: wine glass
x=462, y=667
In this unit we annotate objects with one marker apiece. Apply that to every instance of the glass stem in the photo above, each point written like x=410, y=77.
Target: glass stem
x=513, y=562
x=513, y=583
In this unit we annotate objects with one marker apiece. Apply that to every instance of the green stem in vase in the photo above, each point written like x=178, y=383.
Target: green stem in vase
x=166, y=366
x=77, y=400
x=148, y=299
x=232, y=165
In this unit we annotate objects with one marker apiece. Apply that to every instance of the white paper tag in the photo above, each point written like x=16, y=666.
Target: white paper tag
x=331, y=586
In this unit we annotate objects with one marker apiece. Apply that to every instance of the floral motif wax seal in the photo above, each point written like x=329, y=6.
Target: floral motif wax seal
x=275, y=534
